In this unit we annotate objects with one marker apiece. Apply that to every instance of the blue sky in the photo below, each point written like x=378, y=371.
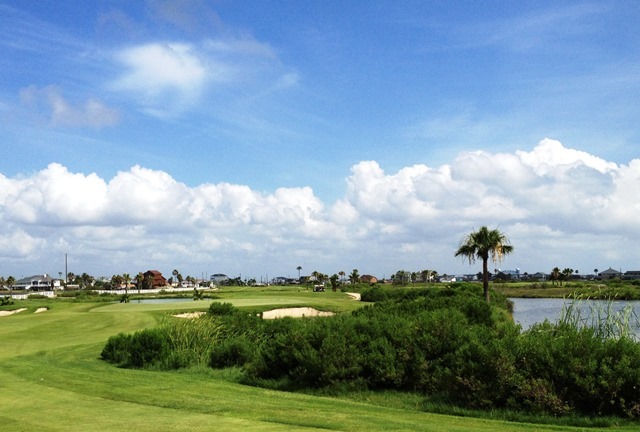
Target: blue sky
x=252, y=137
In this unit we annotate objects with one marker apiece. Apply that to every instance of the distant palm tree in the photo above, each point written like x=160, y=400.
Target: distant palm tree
x=175, y=274
x=354, y=277
x=298, y=268
x=555, y=276
x=483, y=244
x=10, y=281
x=126, y=279
x=342, y=274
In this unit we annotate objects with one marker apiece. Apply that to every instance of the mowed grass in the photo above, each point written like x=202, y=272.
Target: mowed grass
x=51, y=379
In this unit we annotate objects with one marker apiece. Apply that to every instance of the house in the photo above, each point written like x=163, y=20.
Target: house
x=632, y=274
x=280, y=280
x=219, y=278
x=157, y=280
x=368, y=279
x=508, y=275
x=538, y=277
x=37, y=283
x=610, y=274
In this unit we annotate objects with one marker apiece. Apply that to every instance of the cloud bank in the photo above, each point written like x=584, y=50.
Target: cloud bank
x=559, y=206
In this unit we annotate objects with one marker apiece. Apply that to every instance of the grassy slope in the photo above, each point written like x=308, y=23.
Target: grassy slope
x=52, y=380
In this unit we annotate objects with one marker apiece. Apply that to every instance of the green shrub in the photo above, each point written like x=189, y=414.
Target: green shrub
x=232, y=352
x=221, y=309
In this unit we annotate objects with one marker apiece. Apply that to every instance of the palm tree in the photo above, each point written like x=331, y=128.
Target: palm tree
x=10, y=281
x=175, y=274
x=555, y=276
x=566, y=273
x=298, y=268
x=341, y=273
x=483, y=244
x=126, y=279
x=354, y=277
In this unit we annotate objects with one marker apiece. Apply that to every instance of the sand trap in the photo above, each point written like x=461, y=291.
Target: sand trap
x=189, y=315
x=294, y=312
x=11, y=312
x=40, y=310
x=355, y=296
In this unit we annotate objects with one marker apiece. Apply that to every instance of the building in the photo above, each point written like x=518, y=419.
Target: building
x=219, y=278
x=632, y=274
x=157, y=280
x=610, y=274
x=37, y=283
x=368, y=279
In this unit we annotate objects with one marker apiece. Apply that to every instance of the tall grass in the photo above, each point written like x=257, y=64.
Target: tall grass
x=602, y=316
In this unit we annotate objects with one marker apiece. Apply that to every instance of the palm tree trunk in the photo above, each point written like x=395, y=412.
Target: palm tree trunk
x=485, y=279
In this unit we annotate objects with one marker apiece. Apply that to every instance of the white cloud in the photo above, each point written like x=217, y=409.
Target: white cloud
x=50, y=103
x=160, y=73
x=170, y=78
x=560, y=207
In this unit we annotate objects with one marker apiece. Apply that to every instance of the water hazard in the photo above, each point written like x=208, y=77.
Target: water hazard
x=527, y=312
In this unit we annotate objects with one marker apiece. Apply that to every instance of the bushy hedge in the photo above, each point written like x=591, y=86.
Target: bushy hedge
x=447, y=344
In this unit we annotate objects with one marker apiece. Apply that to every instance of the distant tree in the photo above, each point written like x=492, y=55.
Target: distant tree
x=401, y=277
x=342, y=274
x=354, y=277
x=147, y=281
x=555, y=276
x=116, y=282
x=299, y=268
x=175, y=274
x=566, y=274
x=85, y=280
x=10, y=282
x=484, y=244
x=334, y=282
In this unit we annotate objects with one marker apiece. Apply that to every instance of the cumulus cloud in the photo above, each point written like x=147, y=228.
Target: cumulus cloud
x=50, y=103
x=556, y=203
x=159, y=73
x=169, y=78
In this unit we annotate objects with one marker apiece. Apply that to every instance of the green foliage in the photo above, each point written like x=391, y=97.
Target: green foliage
x=221, y=309
x=6, y=301
x=447, y=344
x=142, y=349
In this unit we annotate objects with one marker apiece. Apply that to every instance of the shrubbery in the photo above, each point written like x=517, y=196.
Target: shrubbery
x=447, y=344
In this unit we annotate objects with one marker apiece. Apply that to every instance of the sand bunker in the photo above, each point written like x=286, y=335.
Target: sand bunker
x=42, y=309
x=189, y=315
x=294, y=312
x=355, y=296
x=11, y=312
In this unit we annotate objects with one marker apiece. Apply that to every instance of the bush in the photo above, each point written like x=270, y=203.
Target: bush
x=232, y=352
x=221, y=309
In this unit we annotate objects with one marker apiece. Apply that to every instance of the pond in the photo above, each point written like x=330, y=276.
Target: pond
x=529, y=311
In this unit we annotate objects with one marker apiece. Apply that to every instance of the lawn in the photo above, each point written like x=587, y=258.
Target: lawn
x=51, y=379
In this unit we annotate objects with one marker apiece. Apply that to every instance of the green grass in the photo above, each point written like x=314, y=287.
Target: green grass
x=51, y=379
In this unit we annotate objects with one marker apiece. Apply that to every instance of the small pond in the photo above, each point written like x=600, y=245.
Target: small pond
x=528, y=311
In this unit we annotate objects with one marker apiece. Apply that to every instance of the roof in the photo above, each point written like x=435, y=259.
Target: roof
x=609, y=271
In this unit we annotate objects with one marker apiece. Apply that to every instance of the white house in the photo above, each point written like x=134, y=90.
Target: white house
x=37, y=283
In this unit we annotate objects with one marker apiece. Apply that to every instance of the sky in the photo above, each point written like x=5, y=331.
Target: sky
x=251, y=137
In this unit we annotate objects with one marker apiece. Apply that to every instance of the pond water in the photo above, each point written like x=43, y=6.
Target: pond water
x=527, y=311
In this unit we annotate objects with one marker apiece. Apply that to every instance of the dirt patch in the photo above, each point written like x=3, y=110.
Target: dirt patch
x=42, y=309
x=294, y=312
x=189, y=315
x=11, y=312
